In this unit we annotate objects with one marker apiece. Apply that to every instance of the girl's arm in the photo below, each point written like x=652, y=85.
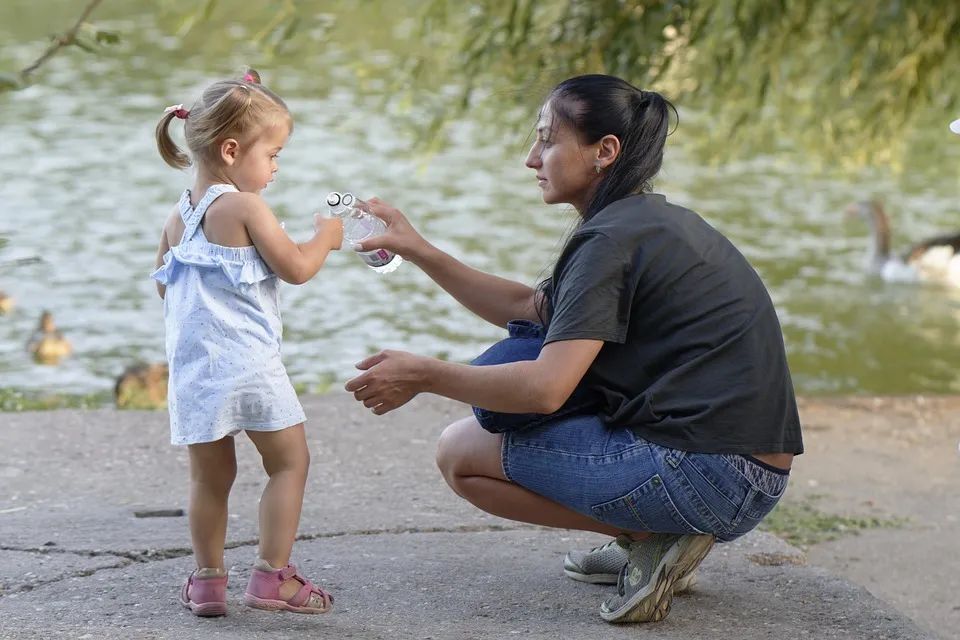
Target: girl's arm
x=162, y=251
x=292, y=262
x=496, y=300
x=393, y=378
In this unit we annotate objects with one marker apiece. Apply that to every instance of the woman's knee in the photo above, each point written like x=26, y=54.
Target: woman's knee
x=465, y=449
x=451, y=449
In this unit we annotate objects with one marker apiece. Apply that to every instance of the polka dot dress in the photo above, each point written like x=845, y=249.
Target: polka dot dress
x=223, y=335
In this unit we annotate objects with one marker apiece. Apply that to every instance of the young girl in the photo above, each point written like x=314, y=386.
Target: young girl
x=220, y=255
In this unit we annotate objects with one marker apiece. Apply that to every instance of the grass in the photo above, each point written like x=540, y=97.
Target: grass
x=802, y=524
x=20, y=400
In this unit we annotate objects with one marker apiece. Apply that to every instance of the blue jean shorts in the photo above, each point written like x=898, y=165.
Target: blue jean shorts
x=620, y=479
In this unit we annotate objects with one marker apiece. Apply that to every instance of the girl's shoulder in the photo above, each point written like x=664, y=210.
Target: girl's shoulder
x=241, y=203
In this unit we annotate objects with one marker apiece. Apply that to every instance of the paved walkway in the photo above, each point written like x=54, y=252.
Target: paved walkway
x=404, y=556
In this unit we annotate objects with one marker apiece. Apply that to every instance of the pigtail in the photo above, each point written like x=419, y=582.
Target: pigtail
x=168, y=149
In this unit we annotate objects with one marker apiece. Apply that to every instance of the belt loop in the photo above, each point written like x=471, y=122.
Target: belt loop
x=675, y=457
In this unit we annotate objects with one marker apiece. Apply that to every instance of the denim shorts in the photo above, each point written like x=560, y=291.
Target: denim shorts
x=620, y=479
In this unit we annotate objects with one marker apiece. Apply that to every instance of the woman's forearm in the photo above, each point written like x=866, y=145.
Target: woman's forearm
x=516, y=387
x=495, y=299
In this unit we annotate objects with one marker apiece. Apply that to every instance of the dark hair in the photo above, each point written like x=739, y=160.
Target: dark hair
x=599, y=105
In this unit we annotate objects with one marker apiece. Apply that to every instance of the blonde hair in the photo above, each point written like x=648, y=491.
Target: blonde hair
x=238, y=109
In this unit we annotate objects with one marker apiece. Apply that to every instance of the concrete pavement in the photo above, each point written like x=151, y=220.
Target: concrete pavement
x=404, y=556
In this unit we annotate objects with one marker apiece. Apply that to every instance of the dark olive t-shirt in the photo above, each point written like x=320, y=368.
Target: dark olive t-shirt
x=693, y=356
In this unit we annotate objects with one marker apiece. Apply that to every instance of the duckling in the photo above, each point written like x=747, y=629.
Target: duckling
x=935, y=260
x=6, y=303
x=142, y=386
x=47, y=344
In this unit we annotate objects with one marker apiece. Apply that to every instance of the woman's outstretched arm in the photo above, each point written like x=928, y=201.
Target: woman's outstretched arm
x=390, y=379
x=495, y=299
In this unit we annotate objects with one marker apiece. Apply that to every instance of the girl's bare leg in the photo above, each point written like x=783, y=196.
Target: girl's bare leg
x=469, y=459
x=286, y=460
x=213, y=468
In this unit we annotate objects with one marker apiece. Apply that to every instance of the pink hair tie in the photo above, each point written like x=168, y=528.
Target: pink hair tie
x=249, y=78
x=178, y=111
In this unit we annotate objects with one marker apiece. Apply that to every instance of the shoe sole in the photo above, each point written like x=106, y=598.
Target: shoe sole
x=592, y=578
x=206, y=609
x=654, y=605
x=683, y=584
x=254, y=602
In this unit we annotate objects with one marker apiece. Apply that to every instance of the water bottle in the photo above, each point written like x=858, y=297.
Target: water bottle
x=359, y=225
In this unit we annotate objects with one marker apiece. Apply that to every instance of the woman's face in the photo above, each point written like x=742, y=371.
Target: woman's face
x=566, y=168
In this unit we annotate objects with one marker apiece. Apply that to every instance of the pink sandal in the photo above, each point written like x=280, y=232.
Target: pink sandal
x=263, y=592
x=205, y=593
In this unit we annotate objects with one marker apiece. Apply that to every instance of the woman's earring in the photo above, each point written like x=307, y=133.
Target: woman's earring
x=598, y=169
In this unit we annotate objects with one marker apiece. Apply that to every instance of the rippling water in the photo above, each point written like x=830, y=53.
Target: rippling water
x=82, y=187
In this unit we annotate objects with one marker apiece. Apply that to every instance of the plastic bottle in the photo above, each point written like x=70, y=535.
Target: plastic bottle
x=358, y=225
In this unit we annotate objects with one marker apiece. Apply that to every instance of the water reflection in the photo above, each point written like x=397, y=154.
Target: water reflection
x=82, y=187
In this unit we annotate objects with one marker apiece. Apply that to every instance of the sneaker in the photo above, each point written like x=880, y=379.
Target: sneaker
x=602, y=565
x=205, y=593
x=645, y=584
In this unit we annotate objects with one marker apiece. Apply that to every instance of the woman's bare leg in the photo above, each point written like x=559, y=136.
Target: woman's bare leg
x=470, y=461
x=213, y=468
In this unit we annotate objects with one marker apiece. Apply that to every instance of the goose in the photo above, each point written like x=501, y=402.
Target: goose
x=935, y=260
x=47, y=344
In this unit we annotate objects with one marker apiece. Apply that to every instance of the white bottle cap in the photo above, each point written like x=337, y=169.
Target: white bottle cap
x=348, y=199
x=333, y=199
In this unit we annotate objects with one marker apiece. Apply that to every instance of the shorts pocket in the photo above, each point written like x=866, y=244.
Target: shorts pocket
x=646, y=508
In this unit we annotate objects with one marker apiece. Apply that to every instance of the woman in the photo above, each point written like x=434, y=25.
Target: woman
x=650, y=312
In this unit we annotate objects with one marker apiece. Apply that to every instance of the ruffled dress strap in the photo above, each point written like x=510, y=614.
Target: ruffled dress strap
x=193, y=216
x=241, y=265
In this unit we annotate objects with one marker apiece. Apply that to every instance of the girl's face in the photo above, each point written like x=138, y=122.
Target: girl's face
x=566, y=168
x=254, y=163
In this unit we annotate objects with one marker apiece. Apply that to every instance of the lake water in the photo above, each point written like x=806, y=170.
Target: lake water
x=83, y=188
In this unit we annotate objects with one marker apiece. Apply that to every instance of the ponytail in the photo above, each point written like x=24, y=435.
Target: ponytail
x=599, y=105
x=168, y=149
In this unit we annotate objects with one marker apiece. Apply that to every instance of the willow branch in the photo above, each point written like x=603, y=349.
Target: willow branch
x=63, y=40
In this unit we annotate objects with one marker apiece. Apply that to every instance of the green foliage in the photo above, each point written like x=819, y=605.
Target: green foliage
x=18, y=400
x=802, y=524
x=852, y=80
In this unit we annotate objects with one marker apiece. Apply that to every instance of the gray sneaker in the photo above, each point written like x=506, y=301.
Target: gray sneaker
x=602, y=565
x=645, y=584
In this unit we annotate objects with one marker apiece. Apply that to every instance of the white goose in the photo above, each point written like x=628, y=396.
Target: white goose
x=935, y=260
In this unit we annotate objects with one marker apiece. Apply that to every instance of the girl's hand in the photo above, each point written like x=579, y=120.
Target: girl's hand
x=391, y=380
x=331, y=228
x=400, y=236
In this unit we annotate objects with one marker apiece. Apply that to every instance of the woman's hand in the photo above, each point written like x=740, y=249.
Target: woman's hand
x=391, y=379
x=400, y=236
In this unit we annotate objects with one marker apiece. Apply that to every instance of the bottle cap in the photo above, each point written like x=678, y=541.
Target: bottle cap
x=348, y=199
x=333, y=199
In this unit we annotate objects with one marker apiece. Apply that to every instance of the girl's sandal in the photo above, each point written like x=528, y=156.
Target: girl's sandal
x=263, y=592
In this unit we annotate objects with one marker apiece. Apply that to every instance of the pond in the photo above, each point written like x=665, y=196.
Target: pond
x=83, y=189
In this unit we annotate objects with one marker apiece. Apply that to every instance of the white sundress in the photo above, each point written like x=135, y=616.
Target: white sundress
x=223, y=335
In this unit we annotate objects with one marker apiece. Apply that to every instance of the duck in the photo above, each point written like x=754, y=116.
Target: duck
x=142, y=386
x=935, y=260
x=6, y=303
x=47, y=344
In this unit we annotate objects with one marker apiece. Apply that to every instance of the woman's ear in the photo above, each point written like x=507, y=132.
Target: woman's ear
x=229, y=149
x=608, y=149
